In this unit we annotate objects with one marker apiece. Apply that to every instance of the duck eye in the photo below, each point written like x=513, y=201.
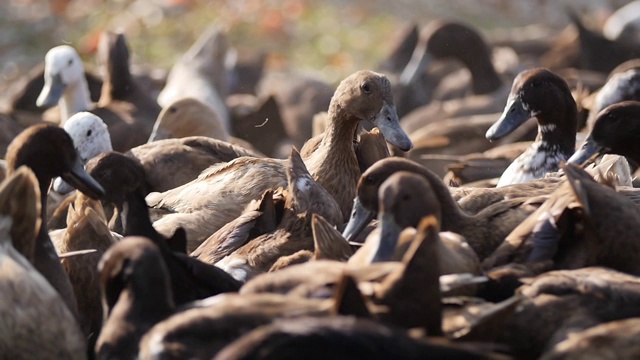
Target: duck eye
x=173, y=110
x=369, y=179
x=70, y=62
x=365, y=87
x=536, y=83
x=89, y=132
x=406, y=197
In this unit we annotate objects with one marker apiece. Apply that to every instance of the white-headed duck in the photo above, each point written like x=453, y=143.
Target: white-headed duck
x=221, y=192
x=544, y=95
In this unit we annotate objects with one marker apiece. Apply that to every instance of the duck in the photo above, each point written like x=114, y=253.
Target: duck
x=86, y=229
x=123, y=179
x=613, y=132
x=48, y=150
x=364, y=95
x=136, y=294
x=170, y=163
x=37, y=322
x=541, y=94
x=621, y=85
x=186, y=117
x=446, y=40
x=130, y=123
x=606, y=340
x=338, y=337
x=201, y=74
x=623, y=23
x=505, y=212
x=561, y=303
x=224, y=318
x=292, y=230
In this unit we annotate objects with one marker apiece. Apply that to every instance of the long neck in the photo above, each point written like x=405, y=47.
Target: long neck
x=75, y=99
x=558, y=131
x=338, y=137
x=484, y=77
x=137, y=222
x=452, y=215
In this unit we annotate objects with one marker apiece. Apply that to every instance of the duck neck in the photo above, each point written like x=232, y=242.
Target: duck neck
x=76, y=98
x=452, y=215
x=339, y=135
x=484, y=77
x=558, y=133
x=136, y=218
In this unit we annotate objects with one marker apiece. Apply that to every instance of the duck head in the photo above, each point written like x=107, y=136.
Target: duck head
x=404, y=199
x=535, y=93
x=119, y=175
x=620, y=86
x=134, y=264
x=365, y=205
x=441, y=40
x=63, y=68
x=616, y=131
x=90, y=138
x=366, y=95
x=48, y=150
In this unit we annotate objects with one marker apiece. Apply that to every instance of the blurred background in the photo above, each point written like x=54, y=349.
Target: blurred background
x=332, y=38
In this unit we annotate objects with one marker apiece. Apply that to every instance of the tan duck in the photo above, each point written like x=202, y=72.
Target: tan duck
x=221, y=192
x=136, y=294
x=37, y=322
x=292, y=231
x=559, y=304
x=170, y=163
x=223, y=318
x=86, y=229
x=49, y=152
x=611, y=340
x=188, y=117
x=484, y=231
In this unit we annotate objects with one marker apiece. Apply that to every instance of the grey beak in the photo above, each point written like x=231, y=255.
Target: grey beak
x=389, y=125
x=360, y=217
x=587, y=151
x=514, y=115
x=79, y=179
x=51, y=92
x=389, y=234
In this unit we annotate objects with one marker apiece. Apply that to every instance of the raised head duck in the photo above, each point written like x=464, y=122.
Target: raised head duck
x=541, y=94
x=48, y=150
x=615, y=131
x=37, y=323
x=201, y=74
x=136, y=294
x=221, y=192
x=123, y=178
x=130, y=118
x=483, y=231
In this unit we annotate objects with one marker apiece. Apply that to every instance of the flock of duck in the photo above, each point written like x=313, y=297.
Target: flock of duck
x=412, y=212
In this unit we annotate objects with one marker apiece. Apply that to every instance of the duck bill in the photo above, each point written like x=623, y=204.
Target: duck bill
x=587, y=151
x=514, y=115
x=79, y=179
x=61, y=187
x=420, y=60
x=389, y=234
x=389, y=125
x=51, y=92
x=360, y=217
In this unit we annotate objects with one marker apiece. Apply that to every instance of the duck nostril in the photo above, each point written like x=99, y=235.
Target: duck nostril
x=512, y=110
x=388, y=118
